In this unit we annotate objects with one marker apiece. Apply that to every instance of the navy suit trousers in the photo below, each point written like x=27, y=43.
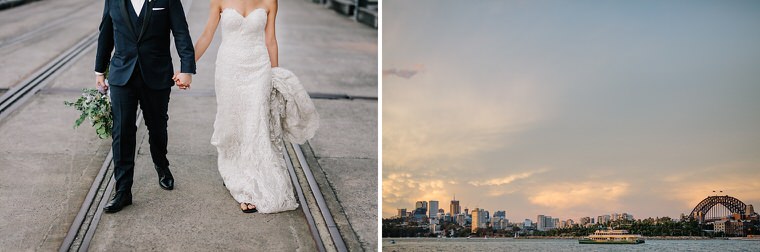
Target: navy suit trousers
x=154, y=105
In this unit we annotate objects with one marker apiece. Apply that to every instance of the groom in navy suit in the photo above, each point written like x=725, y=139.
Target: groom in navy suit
x=140, y=73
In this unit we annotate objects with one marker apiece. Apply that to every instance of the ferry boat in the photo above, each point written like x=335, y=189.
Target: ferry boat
x=612, y=237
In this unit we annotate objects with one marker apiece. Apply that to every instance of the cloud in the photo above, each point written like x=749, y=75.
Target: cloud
x=504, y=180
x=421, y=130
x=737, y=179
x=404, y=73
x=402, y=190
x=596, y=195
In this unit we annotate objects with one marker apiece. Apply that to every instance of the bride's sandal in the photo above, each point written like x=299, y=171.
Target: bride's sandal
x=248, y=208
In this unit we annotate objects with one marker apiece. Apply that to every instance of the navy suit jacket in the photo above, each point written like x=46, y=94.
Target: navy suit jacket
x=147, y=46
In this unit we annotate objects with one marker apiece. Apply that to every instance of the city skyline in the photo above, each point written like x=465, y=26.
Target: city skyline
x=576, y=108
x=463, y=210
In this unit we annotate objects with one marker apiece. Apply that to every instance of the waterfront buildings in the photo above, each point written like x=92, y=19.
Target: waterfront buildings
x=545, y=223
x=401, y=212
x=585, y=220
x=478, y=219
x=527, y=224
x=461, y=219
x=603, y=219
x=730, y=227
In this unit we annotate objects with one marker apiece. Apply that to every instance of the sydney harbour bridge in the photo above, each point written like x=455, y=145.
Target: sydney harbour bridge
x=716, y=207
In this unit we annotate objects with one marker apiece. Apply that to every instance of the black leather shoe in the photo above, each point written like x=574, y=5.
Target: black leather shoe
x=165, y=178
x=119, y=201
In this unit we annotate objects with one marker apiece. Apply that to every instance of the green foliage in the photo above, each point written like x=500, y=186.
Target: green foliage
x=397, y=228
x=648, y=227
x=95, y=107
x=664, y=226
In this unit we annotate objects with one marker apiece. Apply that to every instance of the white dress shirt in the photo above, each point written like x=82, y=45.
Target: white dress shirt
x=138, y=4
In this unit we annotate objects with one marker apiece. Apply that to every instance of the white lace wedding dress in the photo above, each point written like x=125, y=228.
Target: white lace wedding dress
x=251, y=165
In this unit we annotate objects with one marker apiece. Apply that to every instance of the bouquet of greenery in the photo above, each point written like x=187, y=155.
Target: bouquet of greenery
x=96, y=107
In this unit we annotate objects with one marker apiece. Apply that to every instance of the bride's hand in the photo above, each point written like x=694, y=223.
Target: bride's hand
x=178, y=82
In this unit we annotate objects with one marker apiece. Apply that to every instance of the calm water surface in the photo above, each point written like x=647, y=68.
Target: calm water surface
x=507, y=244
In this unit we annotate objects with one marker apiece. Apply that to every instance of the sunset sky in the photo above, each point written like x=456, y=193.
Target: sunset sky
x=570, y=108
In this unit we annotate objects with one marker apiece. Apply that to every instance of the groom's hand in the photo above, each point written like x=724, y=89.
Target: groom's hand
x=100, y=82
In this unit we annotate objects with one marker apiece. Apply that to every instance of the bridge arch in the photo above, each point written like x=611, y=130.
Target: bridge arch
x=733, y=205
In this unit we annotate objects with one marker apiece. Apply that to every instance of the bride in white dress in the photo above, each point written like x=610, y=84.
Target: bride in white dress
x=250, y=160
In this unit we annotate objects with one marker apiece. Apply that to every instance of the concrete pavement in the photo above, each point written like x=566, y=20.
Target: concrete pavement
x=48, y=167
x=333, y=54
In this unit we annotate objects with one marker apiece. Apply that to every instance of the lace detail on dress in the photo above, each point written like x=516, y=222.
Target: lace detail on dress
x=293, y=115
x=252, y=166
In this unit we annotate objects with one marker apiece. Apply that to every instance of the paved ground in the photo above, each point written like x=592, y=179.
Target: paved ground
x=49, y=26
x=48, y=167
x=345, y=53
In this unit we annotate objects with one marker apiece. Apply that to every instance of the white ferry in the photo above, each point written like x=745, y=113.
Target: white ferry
x=612, y=237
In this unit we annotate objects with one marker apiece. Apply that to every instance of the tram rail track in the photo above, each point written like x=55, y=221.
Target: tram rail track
x=20, y=93
x=323, y=228
x=45, y=28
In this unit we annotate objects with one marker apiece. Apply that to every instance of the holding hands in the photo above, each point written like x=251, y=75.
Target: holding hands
x=182, y=80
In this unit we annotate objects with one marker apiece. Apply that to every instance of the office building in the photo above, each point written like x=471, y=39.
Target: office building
x=500, y=214
x=454, y=207
x=545, y=223
x=433, y=208
x=478, y=219
x=401, y=212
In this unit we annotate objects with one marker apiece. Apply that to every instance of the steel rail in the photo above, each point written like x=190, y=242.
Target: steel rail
x=301, y=198
x=48, y=26
x=18, y=94
x=340, y=245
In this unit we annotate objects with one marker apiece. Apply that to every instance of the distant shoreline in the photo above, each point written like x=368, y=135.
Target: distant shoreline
x=645, y=237
x=563, y=238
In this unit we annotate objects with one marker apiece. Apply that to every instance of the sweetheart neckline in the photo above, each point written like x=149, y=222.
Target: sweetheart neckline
x=241, y=15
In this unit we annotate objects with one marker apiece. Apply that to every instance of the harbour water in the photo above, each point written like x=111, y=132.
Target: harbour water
x=509, y=244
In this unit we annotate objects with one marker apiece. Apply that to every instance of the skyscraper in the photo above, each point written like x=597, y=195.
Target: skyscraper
x=478, y=219
x=454, y=207
x=433, y=210
x=421, y=204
